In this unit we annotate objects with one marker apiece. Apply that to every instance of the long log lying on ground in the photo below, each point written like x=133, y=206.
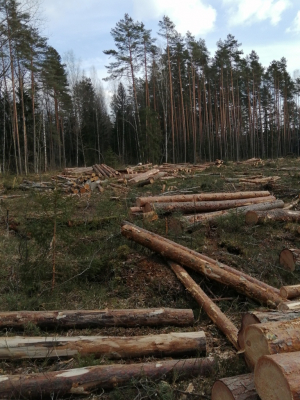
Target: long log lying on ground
x=259, y=217
x=98, y=318
x=260, y=317
x=143, y=176
x=235, y=388
x=83, y=380
x=192, y=222
x=200, y=263
x=141, y=201
x=271, y=338
x=211, y=309
x=173, y=344
x=290, y=259
x=290, y=292
x=277, y=377
x=203, y=206
x=289, y=306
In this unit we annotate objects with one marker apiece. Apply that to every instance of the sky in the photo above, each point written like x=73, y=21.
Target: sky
x=270, y=27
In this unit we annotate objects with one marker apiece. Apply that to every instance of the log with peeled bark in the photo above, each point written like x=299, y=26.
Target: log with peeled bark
x=143, y=176
x=261, y=317
x=235, y=388
x=259, y=217
x=211, y=309
x=200, y=263
x=175, y=344
x=141, y=201
x=98, y=318
x=82, y=381
x=277, y=377
x=289, y=306
x=203, y=206
x=290, y=259
x=271, y=338
x=192, y=222
x=290, y=292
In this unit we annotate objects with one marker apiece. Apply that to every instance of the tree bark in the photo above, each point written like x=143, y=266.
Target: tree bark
x=211, y=309
x=141, y=201
x=260, y=317
x=271, y=338
x=259, y=217
x=193, y=222
x=212, y=270
x=203, y=206
x=83, y=380
x=278, y=376
x=290, y=259
x=290, y=292
x=145, y=182
x=235, y=388
x=97, y=318
x=165, y=345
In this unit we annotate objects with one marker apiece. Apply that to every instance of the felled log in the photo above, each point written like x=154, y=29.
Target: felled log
x=235, y=388
x=97, y=318
x=143, y=176
x=77, y=170
x=141, y=201
x=203, y=206
x=278, y=376
x=259, y=217
x=83, y=380
x=271, y=338
x=183, y=256
x=145, y=182
x=211, y=309
x=173, y=344
x=290, y=292
x=290, y=259
x=136, y=210
x=260, y=317
x=289, y=306
x=192, y=222
x=264, y=286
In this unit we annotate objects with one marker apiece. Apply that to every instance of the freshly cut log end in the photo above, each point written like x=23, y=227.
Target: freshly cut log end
x=271, y=338
x=290, y=292
x=248, y=319
x=277, y=377
x=290, y=259
x=256, y=345
x=235, y=388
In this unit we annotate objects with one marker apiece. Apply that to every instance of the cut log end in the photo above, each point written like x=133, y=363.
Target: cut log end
x=270, y=381
x=251, y=218
x=287, y=260
x=248, y=319
x=221, y=391
x=256, y=344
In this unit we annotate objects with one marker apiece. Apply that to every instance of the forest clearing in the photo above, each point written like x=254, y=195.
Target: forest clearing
x=165, y=314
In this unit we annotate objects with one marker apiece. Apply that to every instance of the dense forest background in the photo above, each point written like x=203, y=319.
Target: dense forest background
x=172, y=103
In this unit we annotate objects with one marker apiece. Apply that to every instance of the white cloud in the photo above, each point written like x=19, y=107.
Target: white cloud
x=267, y=53
x=249, y=12
x=295, y=25
x=188, y=15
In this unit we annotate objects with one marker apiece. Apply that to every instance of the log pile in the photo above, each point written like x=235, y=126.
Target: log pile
x=84, y=380
x=201, y=207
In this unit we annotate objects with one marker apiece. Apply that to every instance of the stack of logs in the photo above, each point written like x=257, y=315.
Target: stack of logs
x=205, y=206
x=269, y=340
x=83, y=380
